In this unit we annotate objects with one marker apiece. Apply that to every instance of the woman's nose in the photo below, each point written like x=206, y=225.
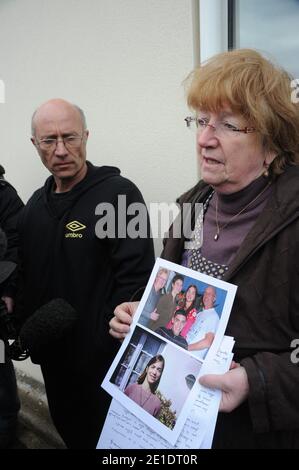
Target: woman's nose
x=207, y=138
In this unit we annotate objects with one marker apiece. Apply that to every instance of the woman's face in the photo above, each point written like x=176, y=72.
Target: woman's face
x=229, y=161
x=154, y=372
x=190, y=294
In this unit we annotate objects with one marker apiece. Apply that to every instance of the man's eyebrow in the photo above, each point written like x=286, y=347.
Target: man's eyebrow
x=66, y=134
x=55, y=135
x=49, y=136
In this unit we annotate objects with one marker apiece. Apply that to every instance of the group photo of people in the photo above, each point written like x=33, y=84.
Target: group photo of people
x=183, y=310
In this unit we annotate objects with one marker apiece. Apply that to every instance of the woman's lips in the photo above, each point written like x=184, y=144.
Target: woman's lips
x=211, y=161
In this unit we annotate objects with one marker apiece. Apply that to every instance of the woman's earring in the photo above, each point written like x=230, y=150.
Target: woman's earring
x=266, y=171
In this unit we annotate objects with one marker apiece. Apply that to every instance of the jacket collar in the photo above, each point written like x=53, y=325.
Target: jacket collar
x=281, y=210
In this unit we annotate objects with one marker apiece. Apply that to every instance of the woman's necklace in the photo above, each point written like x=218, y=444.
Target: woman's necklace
x=218, y=228
x=147, y=396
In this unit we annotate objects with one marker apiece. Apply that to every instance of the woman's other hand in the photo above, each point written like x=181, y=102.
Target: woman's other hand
x=120, y=323
x=233, y=384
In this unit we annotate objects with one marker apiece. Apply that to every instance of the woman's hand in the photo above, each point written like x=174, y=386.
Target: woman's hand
x=233, y=384
x=120, y=323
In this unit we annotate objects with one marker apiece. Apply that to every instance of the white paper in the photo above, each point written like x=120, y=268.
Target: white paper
x=123, y=430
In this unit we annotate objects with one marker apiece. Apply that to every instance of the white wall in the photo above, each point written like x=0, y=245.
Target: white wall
x=123, y=62
x=173, y=385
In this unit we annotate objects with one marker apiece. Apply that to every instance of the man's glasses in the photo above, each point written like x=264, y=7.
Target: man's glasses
x=161, y=278
x=70, y=141
x=221, y=129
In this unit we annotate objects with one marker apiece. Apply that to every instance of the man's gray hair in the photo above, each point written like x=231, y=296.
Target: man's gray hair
x=83, y=118
x=81, y=112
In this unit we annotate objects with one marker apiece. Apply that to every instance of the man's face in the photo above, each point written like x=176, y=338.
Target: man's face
x=160, y=280
x=178, y=323
x=209, y=297
x=177, y=286
x=57, y=120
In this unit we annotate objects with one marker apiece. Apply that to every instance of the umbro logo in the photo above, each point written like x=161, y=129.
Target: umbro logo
x=74, y=226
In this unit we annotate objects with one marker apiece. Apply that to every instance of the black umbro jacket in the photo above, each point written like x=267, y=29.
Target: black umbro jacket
x=63, y=258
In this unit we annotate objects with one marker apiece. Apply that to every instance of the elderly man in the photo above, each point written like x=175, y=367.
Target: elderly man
x=149, y=311
x=202, y=332
x=63, y=257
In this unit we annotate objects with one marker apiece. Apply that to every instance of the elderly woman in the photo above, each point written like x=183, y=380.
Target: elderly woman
x=247, y=139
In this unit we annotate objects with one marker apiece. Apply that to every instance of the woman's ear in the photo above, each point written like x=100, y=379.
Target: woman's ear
x=270, y=156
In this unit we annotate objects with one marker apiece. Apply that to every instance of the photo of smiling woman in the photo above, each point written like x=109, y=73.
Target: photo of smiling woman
x=144, y=391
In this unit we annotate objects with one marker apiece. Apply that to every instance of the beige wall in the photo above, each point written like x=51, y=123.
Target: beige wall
x=123, y=62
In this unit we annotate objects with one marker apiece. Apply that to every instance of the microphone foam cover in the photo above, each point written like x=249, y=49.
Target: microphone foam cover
x=48, y=324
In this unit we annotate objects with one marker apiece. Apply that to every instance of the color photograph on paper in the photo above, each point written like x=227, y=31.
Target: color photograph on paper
x=178, y=325
x=184, y=310
x=145, y=375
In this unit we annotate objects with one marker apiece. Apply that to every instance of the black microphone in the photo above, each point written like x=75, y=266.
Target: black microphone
x=47, y=325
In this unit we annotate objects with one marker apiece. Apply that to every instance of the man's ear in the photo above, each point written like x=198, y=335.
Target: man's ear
x=33, y=140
